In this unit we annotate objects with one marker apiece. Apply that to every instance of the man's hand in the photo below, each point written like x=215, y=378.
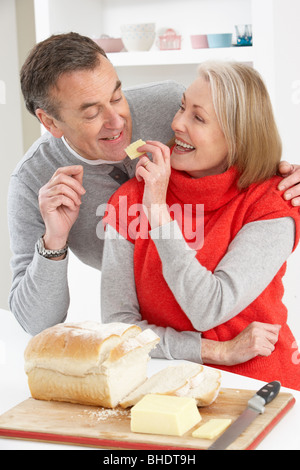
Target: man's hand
x=290, y=183
x=59, y=202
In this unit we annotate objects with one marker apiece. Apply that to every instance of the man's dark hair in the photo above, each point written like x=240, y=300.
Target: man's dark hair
x=48, y=60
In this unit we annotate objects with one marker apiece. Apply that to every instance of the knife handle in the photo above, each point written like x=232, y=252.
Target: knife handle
x=269, y=391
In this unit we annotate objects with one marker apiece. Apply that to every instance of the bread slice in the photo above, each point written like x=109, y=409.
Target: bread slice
x=89, y=362
x=206, y=392
x=173, y=380
x=187, y=379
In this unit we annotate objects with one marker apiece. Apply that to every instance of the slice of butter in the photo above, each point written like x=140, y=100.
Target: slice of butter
x=164, y=414
x=131, y=150
x=212, y=428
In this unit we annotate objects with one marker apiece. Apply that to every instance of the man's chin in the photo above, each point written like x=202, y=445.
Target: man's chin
x=114, y=150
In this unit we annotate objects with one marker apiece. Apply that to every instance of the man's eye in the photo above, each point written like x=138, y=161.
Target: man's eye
x=91, y=116
x=117, y=100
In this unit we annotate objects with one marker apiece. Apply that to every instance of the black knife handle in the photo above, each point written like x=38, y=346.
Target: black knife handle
x=269, y=391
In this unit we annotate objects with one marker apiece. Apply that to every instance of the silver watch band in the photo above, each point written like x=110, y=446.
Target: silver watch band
x=50, y=253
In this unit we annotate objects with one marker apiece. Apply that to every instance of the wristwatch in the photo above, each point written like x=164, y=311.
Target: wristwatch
x=50, y=253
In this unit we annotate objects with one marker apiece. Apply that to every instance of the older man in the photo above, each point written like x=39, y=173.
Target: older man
x=59, y=189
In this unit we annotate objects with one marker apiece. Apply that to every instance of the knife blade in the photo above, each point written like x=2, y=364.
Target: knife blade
x=256, y=406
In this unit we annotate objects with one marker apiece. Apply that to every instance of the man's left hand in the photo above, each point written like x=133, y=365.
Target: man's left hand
x=290, y=183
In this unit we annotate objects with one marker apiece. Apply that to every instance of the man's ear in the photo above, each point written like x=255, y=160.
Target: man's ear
x=49, y=123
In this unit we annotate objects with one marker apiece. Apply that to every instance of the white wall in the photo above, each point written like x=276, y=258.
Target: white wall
x=277, y=42
x=62, y=16
x=11, y=138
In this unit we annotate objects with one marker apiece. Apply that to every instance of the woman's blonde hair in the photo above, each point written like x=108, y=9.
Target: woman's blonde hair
x=245, y=114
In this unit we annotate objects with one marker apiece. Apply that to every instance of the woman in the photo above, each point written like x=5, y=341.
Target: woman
x=208, y=296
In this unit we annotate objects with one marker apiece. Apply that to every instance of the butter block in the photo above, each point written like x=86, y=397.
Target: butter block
x=212, y=428
x=131, y=150
x=164, y=414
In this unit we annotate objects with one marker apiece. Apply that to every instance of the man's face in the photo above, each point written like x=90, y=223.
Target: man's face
x=94, y=114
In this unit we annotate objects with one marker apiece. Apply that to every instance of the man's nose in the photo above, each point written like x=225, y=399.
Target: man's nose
x=112, y=119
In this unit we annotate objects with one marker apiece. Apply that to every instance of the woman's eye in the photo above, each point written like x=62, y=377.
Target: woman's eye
x=181, y=107
x=198, y=118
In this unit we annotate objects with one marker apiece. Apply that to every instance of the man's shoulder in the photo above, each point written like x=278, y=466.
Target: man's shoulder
x=167, y=89
x=153, y=107
x=45, y=152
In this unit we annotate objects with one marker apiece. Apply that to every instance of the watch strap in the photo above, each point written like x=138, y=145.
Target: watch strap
x=50, y=253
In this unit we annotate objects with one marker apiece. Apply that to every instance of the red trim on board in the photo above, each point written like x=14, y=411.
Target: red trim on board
x=271, y=425
x=114, y=444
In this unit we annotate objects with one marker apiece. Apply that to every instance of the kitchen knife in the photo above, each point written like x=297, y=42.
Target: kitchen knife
x=256, y=406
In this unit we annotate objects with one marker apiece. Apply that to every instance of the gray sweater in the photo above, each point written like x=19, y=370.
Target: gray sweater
x=39, y=296
x=208, y=298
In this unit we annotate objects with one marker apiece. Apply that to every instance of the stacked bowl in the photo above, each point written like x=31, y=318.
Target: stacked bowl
x=219, y=40
x=138, y=37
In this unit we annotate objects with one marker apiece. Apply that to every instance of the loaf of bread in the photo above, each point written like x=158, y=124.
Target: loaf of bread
x=88, y=363
x=187, y=379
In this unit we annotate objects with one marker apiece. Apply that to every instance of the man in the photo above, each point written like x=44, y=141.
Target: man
x=58, y=191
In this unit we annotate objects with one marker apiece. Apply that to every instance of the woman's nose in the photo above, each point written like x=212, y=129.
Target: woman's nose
x=178, y=123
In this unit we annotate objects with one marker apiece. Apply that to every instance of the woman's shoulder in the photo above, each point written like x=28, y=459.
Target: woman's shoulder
x=265, y=200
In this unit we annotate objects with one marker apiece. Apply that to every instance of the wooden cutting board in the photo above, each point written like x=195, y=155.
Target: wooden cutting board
x=100, y=427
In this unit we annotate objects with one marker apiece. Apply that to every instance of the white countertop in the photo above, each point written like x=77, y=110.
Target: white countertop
x=14, y=389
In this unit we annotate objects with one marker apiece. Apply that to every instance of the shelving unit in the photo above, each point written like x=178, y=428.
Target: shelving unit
x=96, y=17
x=181, y=57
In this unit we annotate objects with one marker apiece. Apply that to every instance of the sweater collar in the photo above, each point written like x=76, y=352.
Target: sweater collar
x=213, y=191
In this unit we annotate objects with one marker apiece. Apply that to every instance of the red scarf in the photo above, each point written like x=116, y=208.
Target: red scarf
x=226, y=211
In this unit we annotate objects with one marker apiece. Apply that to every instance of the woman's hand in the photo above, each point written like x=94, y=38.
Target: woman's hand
x=290, y=183
x=156, y=175
x=258, y=339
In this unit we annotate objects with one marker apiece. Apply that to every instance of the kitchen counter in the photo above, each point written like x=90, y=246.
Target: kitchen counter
x=14, y=389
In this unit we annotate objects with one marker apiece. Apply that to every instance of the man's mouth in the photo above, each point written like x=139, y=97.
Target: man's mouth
x=183, y=147
x=114, y=137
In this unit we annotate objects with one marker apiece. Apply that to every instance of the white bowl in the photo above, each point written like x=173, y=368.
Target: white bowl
x=142, y=27
x=138, y=41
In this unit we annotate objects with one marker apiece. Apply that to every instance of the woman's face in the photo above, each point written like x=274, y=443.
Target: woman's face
x=201, y=148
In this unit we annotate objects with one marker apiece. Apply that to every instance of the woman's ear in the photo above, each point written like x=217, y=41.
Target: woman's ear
x=50, y=123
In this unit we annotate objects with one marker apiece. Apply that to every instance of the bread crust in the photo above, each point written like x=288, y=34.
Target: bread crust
x=88, y=363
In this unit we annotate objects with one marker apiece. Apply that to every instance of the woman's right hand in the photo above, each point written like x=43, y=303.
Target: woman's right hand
x=258, y=339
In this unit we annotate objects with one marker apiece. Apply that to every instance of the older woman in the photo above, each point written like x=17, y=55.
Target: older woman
x=198, y=251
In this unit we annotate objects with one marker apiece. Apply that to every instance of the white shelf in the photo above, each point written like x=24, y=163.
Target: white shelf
x=181, y=57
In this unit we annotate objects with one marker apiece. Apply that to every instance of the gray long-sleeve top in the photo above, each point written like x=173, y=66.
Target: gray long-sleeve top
x=208, y=299
x=39, y=296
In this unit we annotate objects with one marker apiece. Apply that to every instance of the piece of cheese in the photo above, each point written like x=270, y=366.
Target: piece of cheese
x=164, y=414
x=212, y=428
x=131, y=150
